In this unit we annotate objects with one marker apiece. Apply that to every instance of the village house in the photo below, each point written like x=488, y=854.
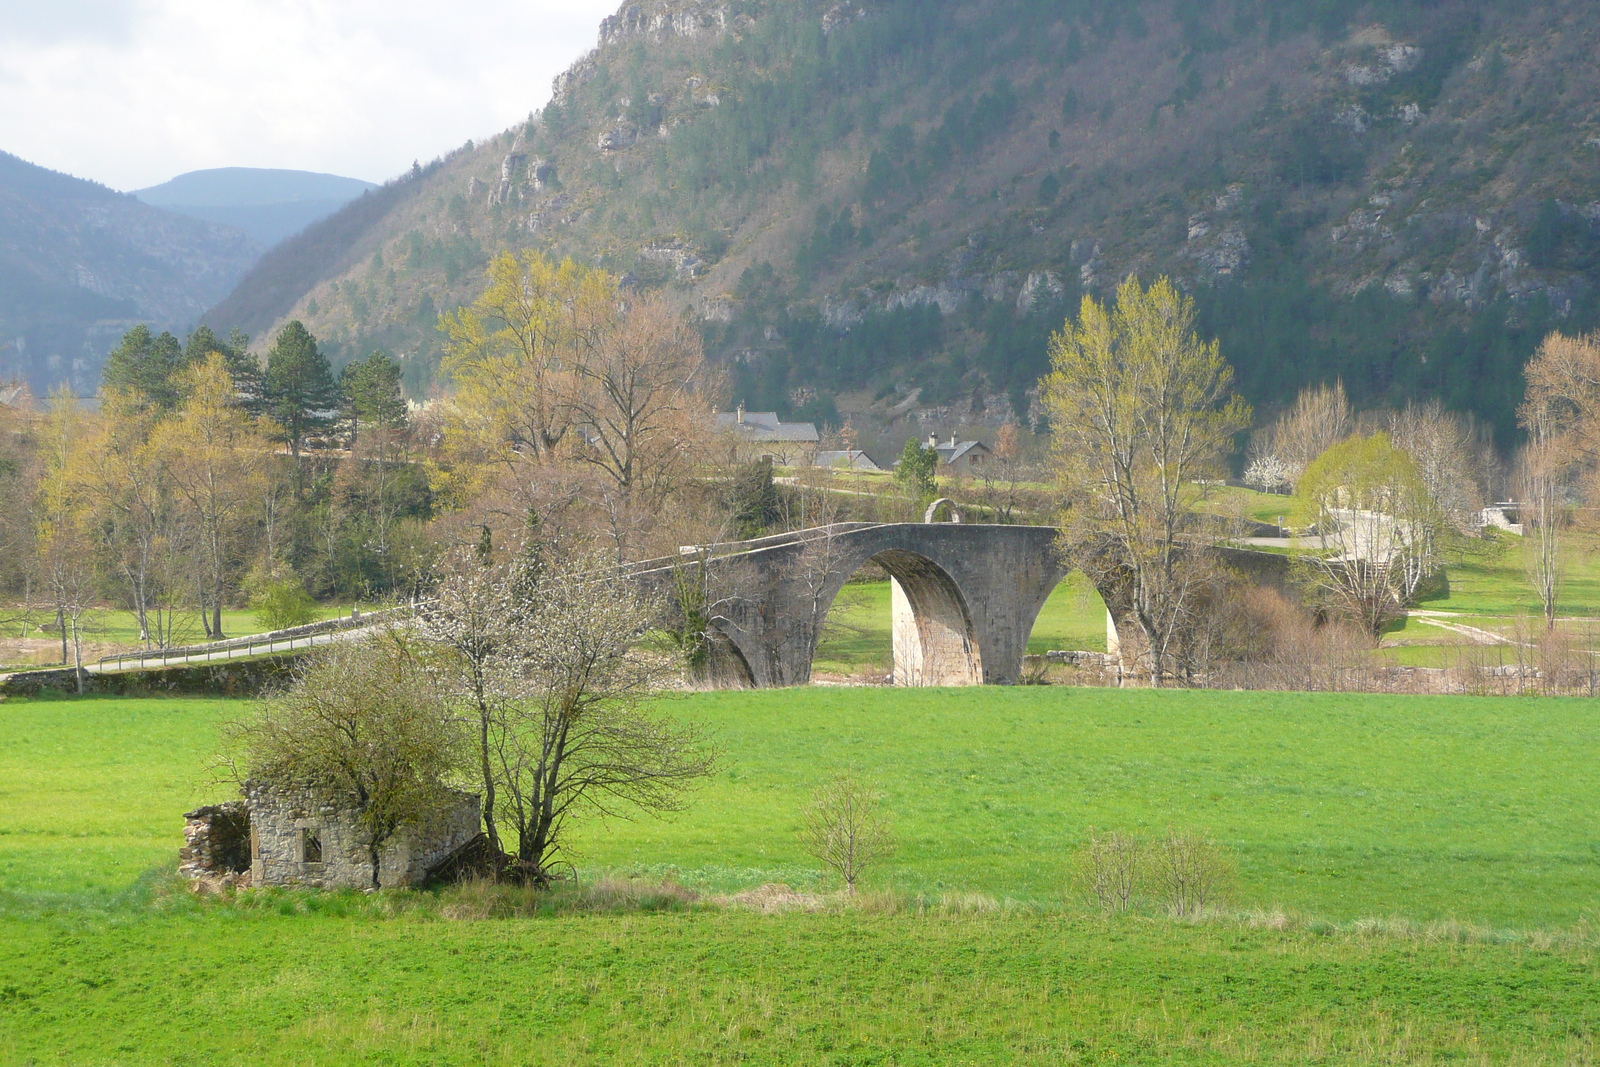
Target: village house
x=960, y=455
x=756, y=435
x=278, y=836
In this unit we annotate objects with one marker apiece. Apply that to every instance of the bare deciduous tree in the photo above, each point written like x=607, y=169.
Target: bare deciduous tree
x=1319, y=420
x=568, y=708
x=1183, y=870
x=845, y=828
x=1111, y=869
x=1192, y=871
x=477, y=619
x=640, y=399
x=1561, y=414
x=1448, y=455
x=1540, y=482
x=1563, y=401
x=1001, y=476
x=589, y=733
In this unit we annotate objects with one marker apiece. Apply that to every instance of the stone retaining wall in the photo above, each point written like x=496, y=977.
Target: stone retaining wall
x=232, y=678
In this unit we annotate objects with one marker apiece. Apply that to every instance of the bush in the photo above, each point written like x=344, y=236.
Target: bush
x=282, y=603
x=1183, y=872
x=1112, y=869
x=1191, y=871
x=845, y=828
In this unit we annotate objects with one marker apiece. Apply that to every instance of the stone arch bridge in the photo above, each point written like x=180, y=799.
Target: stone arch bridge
x=964, y=597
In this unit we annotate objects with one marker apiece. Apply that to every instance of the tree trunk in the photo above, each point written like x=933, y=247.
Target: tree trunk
x=489, y=827
x=77, y=656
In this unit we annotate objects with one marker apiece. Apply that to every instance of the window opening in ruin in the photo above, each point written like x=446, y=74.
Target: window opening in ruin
x=310, y=846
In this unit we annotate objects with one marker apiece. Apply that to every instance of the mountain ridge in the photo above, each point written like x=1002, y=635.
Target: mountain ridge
x=80, y=263
x=862, y=201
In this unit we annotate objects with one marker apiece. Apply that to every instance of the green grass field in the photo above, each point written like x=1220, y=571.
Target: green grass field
x=1478, y=809
x=284, y=988
x=1339, y=808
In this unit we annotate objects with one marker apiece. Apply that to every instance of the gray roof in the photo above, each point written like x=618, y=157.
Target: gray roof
x=853, y=458
x=764, y=426
x=948, y=454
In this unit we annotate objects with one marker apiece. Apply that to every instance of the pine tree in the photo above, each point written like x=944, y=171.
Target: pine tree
x=243, y=367
x=915, y=471
x=372, y=395
x=301, y=395
x=145, y=369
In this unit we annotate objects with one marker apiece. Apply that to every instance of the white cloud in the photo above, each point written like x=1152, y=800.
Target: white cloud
x=132, y=92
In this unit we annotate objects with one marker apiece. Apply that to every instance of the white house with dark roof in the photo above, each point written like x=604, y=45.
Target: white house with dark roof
x=962, y=455
x=755, y=435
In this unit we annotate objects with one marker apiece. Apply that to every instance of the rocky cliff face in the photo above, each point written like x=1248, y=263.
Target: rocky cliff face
x=80, y=263
x=866, y=201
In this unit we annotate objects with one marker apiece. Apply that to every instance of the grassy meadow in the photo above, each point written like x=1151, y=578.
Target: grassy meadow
x=1357, y=821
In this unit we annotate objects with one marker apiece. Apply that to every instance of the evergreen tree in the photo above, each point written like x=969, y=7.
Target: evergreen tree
x=754, y=499
x=915, y=471
x=145, y=368
x=372, y=396
x=300, y=392
x=243, y=367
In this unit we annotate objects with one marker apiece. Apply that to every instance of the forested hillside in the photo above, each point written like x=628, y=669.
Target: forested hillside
x=80, y=263
x=888, y=204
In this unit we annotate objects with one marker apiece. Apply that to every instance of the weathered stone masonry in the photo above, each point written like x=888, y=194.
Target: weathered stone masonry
x=292, y=837
x=296, y=837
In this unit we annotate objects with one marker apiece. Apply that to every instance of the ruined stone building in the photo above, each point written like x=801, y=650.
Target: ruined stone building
x=277, y=836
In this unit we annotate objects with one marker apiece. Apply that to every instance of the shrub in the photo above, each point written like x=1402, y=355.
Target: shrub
x=1190, y=871
x=1112, y=869
x=282, y=603
x=845, y=828
x=1183, y=872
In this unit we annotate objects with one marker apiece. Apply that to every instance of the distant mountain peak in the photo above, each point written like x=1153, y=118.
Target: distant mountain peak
x=267, y=204
x=250, y=187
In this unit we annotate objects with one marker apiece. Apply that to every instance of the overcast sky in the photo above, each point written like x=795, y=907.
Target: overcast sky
x=133, y=92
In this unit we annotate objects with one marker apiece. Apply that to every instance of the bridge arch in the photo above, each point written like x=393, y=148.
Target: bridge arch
x=933, y=638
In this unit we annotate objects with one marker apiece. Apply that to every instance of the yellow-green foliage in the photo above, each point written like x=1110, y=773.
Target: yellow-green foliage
x=1366, y=473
